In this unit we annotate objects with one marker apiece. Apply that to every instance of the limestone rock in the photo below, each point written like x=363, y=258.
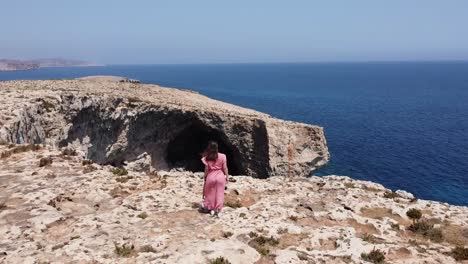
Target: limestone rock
x=83, y=217
x=114, y=122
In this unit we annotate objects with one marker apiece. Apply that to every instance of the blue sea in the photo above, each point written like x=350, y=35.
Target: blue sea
x=401, y=124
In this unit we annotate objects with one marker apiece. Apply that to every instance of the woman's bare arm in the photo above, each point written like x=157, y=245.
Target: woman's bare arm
x=225, y=170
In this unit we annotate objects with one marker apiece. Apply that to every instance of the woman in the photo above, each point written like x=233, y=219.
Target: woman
x=216, y=176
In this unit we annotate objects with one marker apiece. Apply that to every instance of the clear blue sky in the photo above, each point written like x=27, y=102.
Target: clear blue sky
x=205, y=31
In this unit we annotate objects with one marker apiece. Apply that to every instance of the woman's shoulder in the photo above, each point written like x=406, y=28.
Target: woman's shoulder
x=222, y=155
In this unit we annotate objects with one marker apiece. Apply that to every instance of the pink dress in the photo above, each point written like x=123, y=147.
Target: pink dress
x=214, y=183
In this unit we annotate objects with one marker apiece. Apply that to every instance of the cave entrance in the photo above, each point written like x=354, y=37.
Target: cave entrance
x=185, y=150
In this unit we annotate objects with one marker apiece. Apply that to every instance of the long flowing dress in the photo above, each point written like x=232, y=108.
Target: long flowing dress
x=215, y=182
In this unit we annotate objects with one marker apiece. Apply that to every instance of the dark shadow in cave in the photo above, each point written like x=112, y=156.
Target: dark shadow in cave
x=186, y=148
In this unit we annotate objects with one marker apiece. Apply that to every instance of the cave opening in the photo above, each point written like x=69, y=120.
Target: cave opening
x=185, y=150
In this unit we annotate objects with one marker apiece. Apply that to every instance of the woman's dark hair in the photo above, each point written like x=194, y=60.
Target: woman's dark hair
x=211, y=151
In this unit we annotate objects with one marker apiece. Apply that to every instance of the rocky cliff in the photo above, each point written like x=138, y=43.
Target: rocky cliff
x=88, y=194
x=56, y=207
x=147, y=126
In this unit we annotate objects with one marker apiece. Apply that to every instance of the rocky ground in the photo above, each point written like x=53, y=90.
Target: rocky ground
x=56, y=207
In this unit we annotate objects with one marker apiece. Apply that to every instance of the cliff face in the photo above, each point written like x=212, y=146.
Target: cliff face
x=121, y=123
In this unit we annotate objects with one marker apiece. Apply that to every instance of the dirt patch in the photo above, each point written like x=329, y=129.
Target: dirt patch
x=289, y=240
x=327, y=244
x=381, y=212
x=398, y=253
x=362, y=229
x=455, y=234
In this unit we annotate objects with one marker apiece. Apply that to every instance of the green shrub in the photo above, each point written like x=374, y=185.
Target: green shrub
x=375, y=256
x=390, y=195
x=369, y=238
x=263, y=251
x=142, y=215
x=414, y=214
x=119, y=171
x=236, y=204
x=227, y=234
x=219, y=260
x=86, y=162
x=460, y=253
x=427, y=230
x=395, y=226
x=261, y=240
x=252, y=234
x=69, y=152
x=124, y=250
x=45, y=161
x=123, y=179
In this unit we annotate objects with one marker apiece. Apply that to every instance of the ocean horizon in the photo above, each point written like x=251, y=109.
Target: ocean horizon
x=401, y=124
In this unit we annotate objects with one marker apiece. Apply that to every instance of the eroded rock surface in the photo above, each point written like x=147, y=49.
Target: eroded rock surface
x=113, y=122
x=72, y=211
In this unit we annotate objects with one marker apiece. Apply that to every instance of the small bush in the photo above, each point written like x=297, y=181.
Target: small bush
x=19, y=149
x=89, y=169
x=282, y=230
x=236, y=204
x=427, y=230
x=123, y=179
x=124, y=250
x=293, y=218
x=219, y=260
x=142, y=215
x=227, y=234
x=147, y=248
x=435, y=235
x=45, y=161
x=414, y=214
x=263, y=251
x=261, y=240
x=390, y=195
x=242, y=215
x=349, y=185
x=460, y=253
x=86, y=162
x=119, y=171
x=420, y=227
x=375, y=256
x=369, y=238
x=395, y=227
x=69, y=152
x=252, y=234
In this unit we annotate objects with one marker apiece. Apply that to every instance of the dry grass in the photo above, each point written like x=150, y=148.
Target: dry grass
x=219, y=260
x=148, y=248
x=459, y=253
x=45, y=161
x=19, y=149
x=119, y=171
x=375, y=256
x=124, y=250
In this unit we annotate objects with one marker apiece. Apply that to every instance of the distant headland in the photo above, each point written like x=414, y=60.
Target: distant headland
x=23, y=65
